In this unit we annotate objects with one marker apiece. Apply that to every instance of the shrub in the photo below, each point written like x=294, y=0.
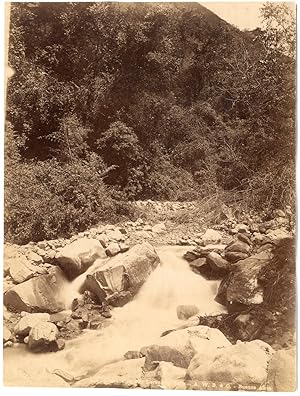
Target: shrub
x=47, y=200
x=167, y=182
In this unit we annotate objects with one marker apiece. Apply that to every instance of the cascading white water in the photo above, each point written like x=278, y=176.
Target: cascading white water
x=135, y=325
x=71, y=290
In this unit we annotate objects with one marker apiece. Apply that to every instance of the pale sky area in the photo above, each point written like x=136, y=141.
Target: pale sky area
x=244, y=15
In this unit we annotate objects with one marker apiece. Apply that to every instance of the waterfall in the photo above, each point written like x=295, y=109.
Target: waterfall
x=140, y=322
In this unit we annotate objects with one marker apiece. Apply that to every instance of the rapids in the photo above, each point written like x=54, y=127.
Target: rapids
x=137, y=324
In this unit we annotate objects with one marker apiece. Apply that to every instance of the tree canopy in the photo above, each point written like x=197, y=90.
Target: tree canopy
x=152, y=93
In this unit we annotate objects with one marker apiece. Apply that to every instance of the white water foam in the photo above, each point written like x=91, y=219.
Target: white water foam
x=137, y=324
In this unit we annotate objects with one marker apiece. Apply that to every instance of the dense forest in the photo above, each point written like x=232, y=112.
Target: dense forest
x=111, y=102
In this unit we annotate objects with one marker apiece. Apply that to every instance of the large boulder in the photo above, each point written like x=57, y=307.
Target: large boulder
x=21, y=269
x=241, y=364
x=282, y=371
x=125, y=272
x=179, y=347
x=241, y=286
x=79, y=255
x=124, y=374
x=39, y=294
x=28, y=321
x=42, y=337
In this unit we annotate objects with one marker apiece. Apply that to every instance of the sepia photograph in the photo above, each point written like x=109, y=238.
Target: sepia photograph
x=149, y=196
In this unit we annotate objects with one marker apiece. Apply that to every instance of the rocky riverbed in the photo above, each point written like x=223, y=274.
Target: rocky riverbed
x=87, y=290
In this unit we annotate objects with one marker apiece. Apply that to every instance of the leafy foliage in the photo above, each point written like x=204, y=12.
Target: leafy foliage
x=45, y=200
x=163, y=101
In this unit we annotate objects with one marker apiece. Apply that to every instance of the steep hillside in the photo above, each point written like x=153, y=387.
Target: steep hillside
x=161, y=101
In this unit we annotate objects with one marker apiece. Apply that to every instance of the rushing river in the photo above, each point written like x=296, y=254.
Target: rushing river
x=133, y=326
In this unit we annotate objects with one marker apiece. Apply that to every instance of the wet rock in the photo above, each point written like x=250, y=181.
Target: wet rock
x=93, y=285
x=119, y=299
x=124, y=374
x=112, y=249
x=282, y=371
x=28, y=321
x=39, y=294
x=127, y=272
x=203, y=251
x=180, y=346
x=184, y=312
x=79, y=255
x=42, y=337
x=242, y=364
x=198, y=263
x=192, y=255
